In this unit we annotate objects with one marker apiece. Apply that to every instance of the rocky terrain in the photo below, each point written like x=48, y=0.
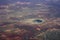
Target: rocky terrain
x=29, y=19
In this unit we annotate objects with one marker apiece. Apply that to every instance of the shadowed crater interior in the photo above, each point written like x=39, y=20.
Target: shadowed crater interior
x=38, y=21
